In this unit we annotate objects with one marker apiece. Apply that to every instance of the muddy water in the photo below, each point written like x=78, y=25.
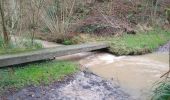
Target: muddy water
x=135, y=74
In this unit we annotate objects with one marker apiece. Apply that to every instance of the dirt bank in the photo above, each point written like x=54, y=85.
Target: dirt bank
x=82, y=86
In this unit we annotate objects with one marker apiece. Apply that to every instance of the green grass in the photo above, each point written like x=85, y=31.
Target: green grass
x=127, y=44
x=162, y=92
x=34, y=74
x=140, y=43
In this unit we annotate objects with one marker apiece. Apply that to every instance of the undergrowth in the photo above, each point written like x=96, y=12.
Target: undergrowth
x=162, y=91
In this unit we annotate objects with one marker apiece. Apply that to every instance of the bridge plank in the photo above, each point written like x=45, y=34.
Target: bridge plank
x=14, y=59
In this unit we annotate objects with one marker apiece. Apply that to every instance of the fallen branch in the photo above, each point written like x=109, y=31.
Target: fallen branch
x=166, y=74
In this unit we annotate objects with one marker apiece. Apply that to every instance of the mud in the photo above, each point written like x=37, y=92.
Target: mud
x=81, y=86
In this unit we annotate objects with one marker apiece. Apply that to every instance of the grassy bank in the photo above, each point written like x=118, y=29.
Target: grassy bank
x=34, y=74
x=140, y=43
x=129, y=44
x=162, y=92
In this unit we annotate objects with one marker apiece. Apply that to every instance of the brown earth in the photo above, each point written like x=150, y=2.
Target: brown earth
x=119, y=16
x=112, y=18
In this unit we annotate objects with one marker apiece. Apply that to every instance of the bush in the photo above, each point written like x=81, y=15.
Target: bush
x=67, y=42
x=162, y=92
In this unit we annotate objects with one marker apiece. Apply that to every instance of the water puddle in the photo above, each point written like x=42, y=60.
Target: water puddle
x=135, y=74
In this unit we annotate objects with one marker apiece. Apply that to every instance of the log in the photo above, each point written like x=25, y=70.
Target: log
x=44, y=54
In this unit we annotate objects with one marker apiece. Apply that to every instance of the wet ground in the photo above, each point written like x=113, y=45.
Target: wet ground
x=82, y=86
x=128, y=78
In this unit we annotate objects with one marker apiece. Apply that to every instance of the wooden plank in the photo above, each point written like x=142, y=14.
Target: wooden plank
x=9, y=60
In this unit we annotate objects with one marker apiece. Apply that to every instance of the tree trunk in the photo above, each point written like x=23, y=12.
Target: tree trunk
x=5, y=33
x=168, y=15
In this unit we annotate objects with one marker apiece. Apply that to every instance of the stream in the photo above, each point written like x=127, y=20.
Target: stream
x=106, y=77
x=136, y=75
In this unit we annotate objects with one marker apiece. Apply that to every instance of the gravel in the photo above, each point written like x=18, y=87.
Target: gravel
x=81, y=86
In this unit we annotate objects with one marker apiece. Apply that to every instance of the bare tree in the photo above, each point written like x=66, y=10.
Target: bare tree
x=35, y=6
x=4, y=29
x=60, y=22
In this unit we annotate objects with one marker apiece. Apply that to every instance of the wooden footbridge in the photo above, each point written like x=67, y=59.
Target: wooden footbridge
x=44, y=54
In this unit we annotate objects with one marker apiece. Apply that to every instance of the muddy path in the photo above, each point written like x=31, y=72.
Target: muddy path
x=81, y=86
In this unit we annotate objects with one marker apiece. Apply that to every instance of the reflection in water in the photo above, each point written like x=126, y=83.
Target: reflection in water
x=135, y=74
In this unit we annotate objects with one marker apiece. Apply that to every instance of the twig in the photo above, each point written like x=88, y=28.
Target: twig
x=166, y=74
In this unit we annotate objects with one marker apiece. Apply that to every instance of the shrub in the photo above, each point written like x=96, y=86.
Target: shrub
x=67, y=42
x=58, y=17
x=162, y=92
